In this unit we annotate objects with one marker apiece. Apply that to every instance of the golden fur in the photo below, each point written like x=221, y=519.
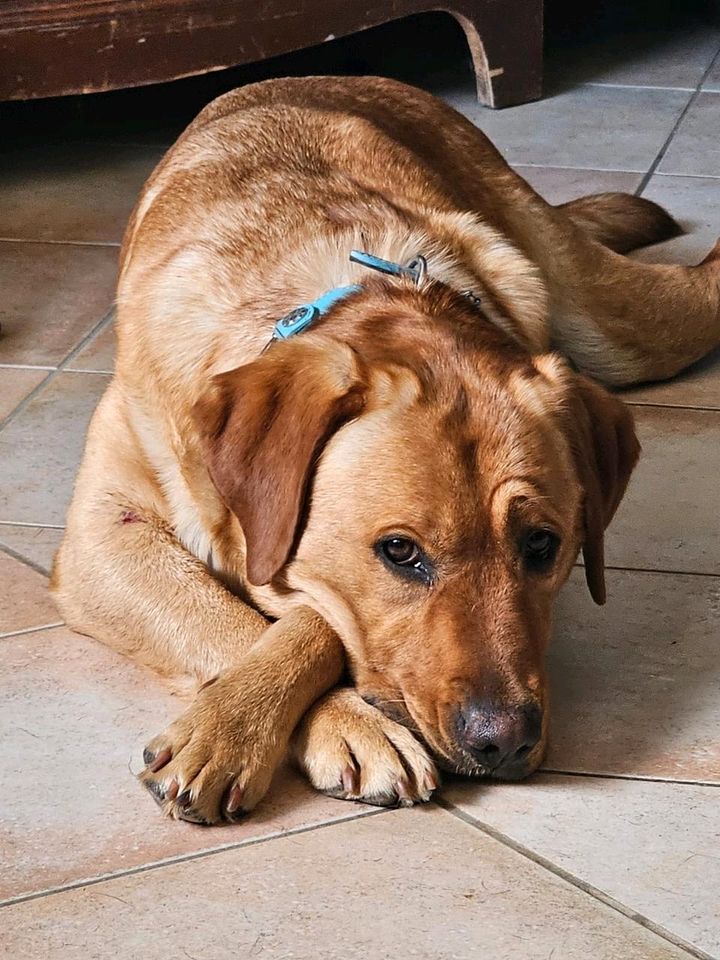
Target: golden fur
x=228, y=511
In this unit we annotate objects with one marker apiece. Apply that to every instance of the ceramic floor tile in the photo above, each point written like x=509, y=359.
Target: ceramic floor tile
x=651, y=846
x=24, y=600
x=53, y=295
x=40, y=449
x=603, y=128
x=660, y=56
x=669, y=519
x=78, y=191
x=455, y=894
x=75, y=718
x=695, y=148
x=37, y=544
x=15, y=385
x=560, y=184
x=636, y=683
x=98, y=355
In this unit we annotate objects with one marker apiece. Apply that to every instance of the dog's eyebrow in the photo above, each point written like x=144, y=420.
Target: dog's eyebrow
x=526, y=491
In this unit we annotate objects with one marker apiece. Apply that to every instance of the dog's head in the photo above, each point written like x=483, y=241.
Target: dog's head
x=426, y=485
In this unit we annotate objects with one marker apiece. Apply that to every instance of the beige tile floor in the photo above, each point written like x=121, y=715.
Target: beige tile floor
x=613, y=851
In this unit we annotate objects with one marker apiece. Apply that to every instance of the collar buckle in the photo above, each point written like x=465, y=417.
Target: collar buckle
x=415, y=268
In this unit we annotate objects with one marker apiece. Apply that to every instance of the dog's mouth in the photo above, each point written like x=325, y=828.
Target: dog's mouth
x=467, y=766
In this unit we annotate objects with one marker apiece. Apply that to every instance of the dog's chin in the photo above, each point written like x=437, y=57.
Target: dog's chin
x=466, y=766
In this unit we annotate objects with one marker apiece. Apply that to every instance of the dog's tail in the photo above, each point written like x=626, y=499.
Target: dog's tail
x=621, y=221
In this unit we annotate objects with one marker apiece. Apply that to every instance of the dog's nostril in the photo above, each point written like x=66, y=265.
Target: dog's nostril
x=498, y=735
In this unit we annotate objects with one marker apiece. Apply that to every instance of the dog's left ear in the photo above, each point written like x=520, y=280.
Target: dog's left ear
x=264, y=426
x=606, y=450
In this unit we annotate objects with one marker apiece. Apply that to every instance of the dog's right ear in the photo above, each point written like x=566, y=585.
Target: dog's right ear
x=606, y=450
x=264, y=426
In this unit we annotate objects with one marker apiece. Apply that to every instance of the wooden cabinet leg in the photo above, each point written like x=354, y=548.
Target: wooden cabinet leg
x=506, y=44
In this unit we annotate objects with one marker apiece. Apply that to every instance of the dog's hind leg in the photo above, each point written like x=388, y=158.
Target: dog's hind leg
x=620, y=320
x=621, y=221
x=624, y=321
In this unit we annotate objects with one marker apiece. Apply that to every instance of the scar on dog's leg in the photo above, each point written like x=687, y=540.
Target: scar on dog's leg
x=129, y=516
x=122, y=577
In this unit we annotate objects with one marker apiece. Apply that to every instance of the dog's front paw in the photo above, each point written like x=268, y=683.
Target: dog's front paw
x=349, y=750
x=216, y=761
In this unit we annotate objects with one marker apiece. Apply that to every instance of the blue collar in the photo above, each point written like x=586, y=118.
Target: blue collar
x=301, y=317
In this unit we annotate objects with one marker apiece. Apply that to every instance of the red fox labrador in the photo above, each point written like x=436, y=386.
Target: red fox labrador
x=347, y=460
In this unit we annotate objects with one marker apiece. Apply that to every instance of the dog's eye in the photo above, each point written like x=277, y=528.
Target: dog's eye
x=404, y=557
x=401, y=551
x=539, y=550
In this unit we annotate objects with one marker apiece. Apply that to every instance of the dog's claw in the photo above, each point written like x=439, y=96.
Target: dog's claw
x=158, y=761
x=404, y=793
x=156, y=790
x=351, y=780
x=234, y=800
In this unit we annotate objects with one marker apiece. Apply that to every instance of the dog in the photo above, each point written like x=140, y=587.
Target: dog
x=356, y=437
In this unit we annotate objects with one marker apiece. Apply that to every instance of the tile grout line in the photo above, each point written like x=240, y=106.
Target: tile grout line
x=664, y=148
x=60, y=243
x=30, y=524
x=670, y=573
x=21, y=633
x=4, y=548
x=669, y=406
x=186, y=857
x=16, y=411
x=689, y=176
x=52, y=374
x=587, y=888
x=561, y=166
x=636, y=778
x=25, y=366
x=636, y=86
x=47, y=369
x=103, y=373
x=635, y=173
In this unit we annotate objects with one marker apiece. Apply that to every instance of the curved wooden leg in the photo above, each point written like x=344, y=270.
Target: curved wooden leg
x=506, y=44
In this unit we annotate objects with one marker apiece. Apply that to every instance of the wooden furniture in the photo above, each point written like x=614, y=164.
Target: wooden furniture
x=55, y=47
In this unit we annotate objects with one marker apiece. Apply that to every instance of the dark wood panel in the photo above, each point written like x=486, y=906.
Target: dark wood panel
x=69, y=46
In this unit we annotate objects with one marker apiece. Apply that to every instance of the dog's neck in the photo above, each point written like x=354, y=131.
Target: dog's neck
x=460, y=251
x=323, y=262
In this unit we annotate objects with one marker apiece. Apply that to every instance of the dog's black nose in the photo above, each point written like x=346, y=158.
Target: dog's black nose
x=499, y=736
